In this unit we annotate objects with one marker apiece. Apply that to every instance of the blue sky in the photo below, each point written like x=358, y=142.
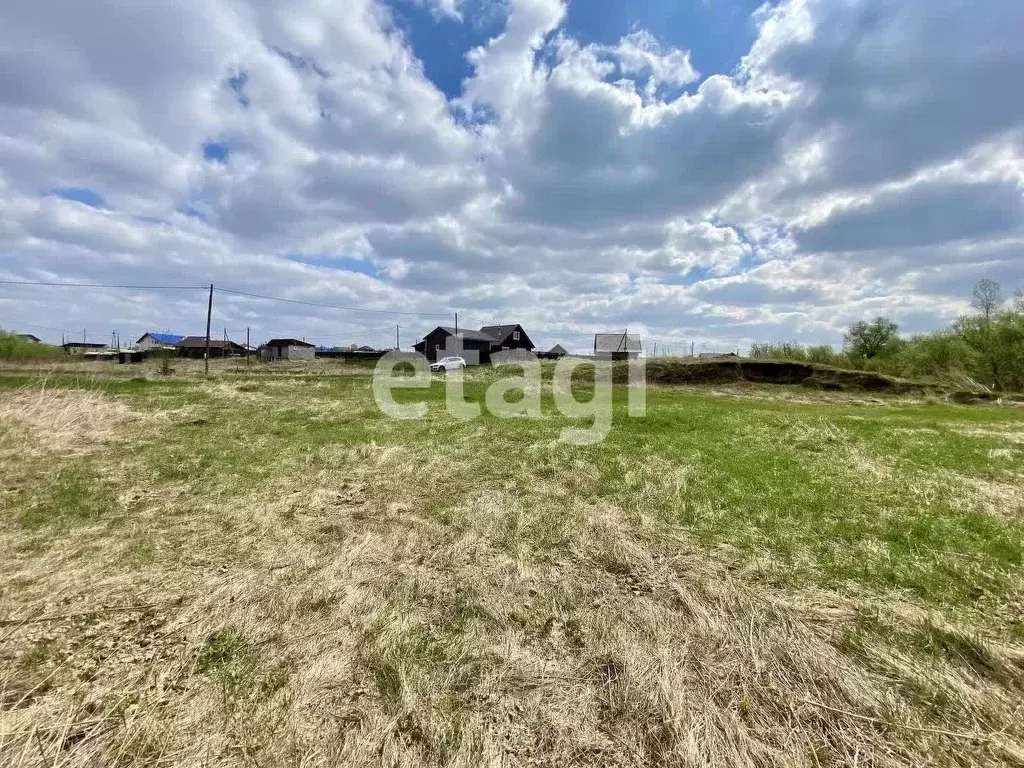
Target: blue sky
x=831, y=161
x=83, y=195
x=441, y=43
x=717, y=34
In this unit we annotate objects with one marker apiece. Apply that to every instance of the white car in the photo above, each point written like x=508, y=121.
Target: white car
x=448, y=364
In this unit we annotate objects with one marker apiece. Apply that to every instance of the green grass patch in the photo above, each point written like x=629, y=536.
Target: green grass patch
x=814, y=493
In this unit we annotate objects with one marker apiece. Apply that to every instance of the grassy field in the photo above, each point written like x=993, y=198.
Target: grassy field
x=262, y=570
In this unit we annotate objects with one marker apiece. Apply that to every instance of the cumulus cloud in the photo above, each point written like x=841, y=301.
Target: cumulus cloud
x=862, y=157
x=689, y=245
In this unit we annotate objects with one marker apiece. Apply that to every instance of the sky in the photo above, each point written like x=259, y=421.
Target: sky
x=706, y=172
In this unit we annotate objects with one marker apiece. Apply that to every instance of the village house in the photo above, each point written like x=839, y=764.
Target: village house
x=153, y=340
x=287, y=349
x=477, y=347
x=195, y=347
x=508, y=337
x=82, y=347
x=443, y=341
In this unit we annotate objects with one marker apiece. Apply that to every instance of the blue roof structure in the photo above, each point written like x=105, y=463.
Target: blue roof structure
x=163, y=338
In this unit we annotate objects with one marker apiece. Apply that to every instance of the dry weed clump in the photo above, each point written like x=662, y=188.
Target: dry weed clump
x=1002, y=500
x=354, y=626
x=64, y=420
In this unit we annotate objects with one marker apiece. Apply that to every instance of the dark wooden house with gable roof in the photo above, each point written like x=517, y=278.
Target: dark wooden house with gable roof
x=508, y=337
x=445, y=341
x=475, y=346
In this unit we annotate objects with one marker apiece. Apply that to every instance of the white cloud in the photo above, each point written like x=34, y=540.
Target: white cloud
x=640, y=53
x=863, y=157
x=701, y=244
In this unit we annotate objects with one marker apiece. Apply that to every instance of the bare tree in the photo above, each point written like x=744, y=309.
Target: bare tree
x=987, y=297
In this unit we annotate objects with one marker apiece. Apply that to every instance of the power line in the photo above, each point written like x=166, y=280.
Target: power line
x=301, y=302
x=106, y=285
x=43, y=327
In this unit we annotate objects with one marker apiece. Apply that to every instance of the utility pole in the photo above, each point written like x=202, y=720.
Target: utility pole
x=83, y=335
x=456, y=323
x=247, y=347
x=691, y=349
x=209, y=314
x=398, y=342
x=655, y=350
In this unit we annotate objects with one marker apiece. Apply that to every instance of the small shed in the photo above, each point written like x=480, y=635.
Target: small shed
x=31, y=337
x=287, y=349
x=558, y=351
x=130, y=356
x=616, y=346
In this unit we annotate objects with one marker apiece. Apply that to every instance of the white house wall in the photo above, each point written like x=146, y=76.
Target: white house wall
x=299, y=353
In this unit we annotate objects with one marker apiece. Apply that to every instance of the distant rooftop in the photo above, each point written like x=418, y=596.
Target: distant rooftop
x=288, y=343
x=468, y=334
x=616, y=342
x=171, y=339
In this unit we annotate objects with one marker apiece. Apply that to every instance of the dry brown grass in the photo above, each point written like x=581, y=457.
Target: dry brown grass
x=341, y=626
x=336, y=617
x=62, y=420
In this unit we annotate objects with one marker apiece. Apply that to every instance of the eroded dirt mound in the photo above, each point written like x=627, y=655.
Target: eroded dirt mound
x=726, y=370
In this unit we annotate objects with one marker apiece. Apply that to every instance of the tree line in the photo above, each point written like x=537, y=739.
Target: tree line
x=984, y=347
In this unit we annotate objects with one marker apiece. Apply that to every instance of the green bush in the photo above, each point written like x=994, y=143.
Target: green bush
x=820, y=354
x=984, y=349
x=13, y=348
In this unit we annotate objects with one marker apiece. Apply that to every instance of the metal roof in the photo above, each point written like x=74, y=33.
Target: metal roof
x=466, y=334
x=162, y=338
x=194, y=342
x=288, y=343
x=616, y=342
